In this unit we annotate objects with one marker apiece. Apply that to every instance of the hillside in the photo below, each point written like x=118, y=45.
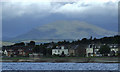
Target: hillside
x=65, y=30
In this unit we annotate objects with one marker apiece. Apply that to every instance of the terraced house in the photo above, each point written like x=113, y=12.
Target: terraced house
x=59, y=50
x=18, y=49
x=69, y=50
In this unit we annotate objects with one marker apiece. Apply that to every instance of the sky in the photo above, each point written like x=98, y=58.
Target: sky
x=19, y=17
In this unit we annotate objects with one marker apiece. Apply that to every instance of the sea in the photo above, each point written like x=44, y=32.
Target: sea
x=58, y=67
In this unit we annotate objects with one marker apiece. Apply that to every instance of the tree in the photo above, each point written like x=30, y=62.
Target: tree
x=32, y=43
x=91, y=38
x=84, y=41
x=105, y=50
x=20, y=44
x=81, y=51
x=49, y=51
x=40, y=49
x=36, y=49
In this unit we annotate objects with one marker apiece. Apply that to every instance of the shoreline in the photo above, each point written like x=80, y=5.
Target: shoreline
x=66, y=60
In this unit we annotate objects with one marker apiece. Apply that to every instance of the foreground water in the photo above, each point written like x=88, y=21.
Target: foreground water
x=59, y=66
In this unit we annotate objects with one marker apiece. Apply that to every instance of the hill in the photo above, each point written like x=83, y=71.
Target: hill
x=65, y=30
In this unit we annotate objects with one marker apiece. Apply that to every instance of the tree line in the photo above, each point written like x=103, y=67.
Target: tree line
x=46, y=48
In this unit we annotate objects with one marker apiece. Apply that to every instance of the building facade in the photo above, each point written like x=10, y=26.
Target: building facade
x=93, y=49
x=59, y=50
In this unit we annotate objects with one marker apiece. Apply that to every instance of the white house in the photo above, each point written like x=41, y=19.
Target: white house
x=5, y=52
x=59, y=50
x=89, y=51
x=114, y=48
x=93, y=49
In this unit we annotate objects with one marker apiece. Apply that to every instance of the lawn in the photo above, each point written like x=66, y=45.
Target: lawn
x=15, y=58
x=25, y=58
x=75, y=57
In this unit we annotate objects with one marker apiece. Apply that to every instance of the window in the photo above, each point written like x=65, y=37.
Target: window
x=90, y=46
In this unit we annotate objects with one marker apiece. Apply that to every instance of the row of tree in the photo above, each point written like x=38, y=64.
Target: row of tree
x=43, y=48
x=103, y=50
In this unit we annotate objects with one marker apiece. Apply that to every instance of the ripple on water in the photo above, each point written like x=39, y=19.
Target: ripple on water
x=59, y=66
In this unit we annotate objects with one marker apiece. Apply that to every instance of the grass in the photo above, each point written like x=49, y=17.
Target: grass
x=25, y=58
x=75, y=57
x=57, y=59
x=15, y=58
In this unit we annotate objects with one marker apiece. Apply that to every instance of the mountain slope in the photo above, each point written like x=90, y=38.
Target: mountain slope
x=65, y=30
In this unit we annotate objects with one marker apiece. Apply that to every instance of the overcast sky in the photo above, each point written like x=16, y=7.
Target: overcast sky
x=21, y=17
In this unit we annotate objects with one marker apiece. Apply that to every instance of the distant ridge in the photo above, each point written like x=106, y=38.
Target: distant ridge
x=65, y=30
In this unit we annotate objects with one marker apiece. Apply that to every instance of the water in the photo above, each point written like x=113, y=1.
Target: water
x=59, y=66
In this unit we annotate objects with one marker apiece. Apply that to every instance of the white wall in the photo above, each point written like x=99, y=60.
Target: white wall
x=59, y=51
x=89, y=50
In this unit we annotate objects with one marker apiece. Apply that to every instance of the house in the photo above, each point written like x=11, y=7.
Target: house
x=21, y=52
x=71, y=52
x=13, y=52
x=10, y=52
x=89, y=51
x=113, y=49
x=93, y=49
x=81, y=50
x=59, y=50
x=5, y=52
x=18, y=49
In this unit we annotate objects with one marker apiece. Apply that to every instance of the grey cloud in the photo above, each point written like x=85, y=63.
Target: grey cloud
x=82, y=9
x=72, y=9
